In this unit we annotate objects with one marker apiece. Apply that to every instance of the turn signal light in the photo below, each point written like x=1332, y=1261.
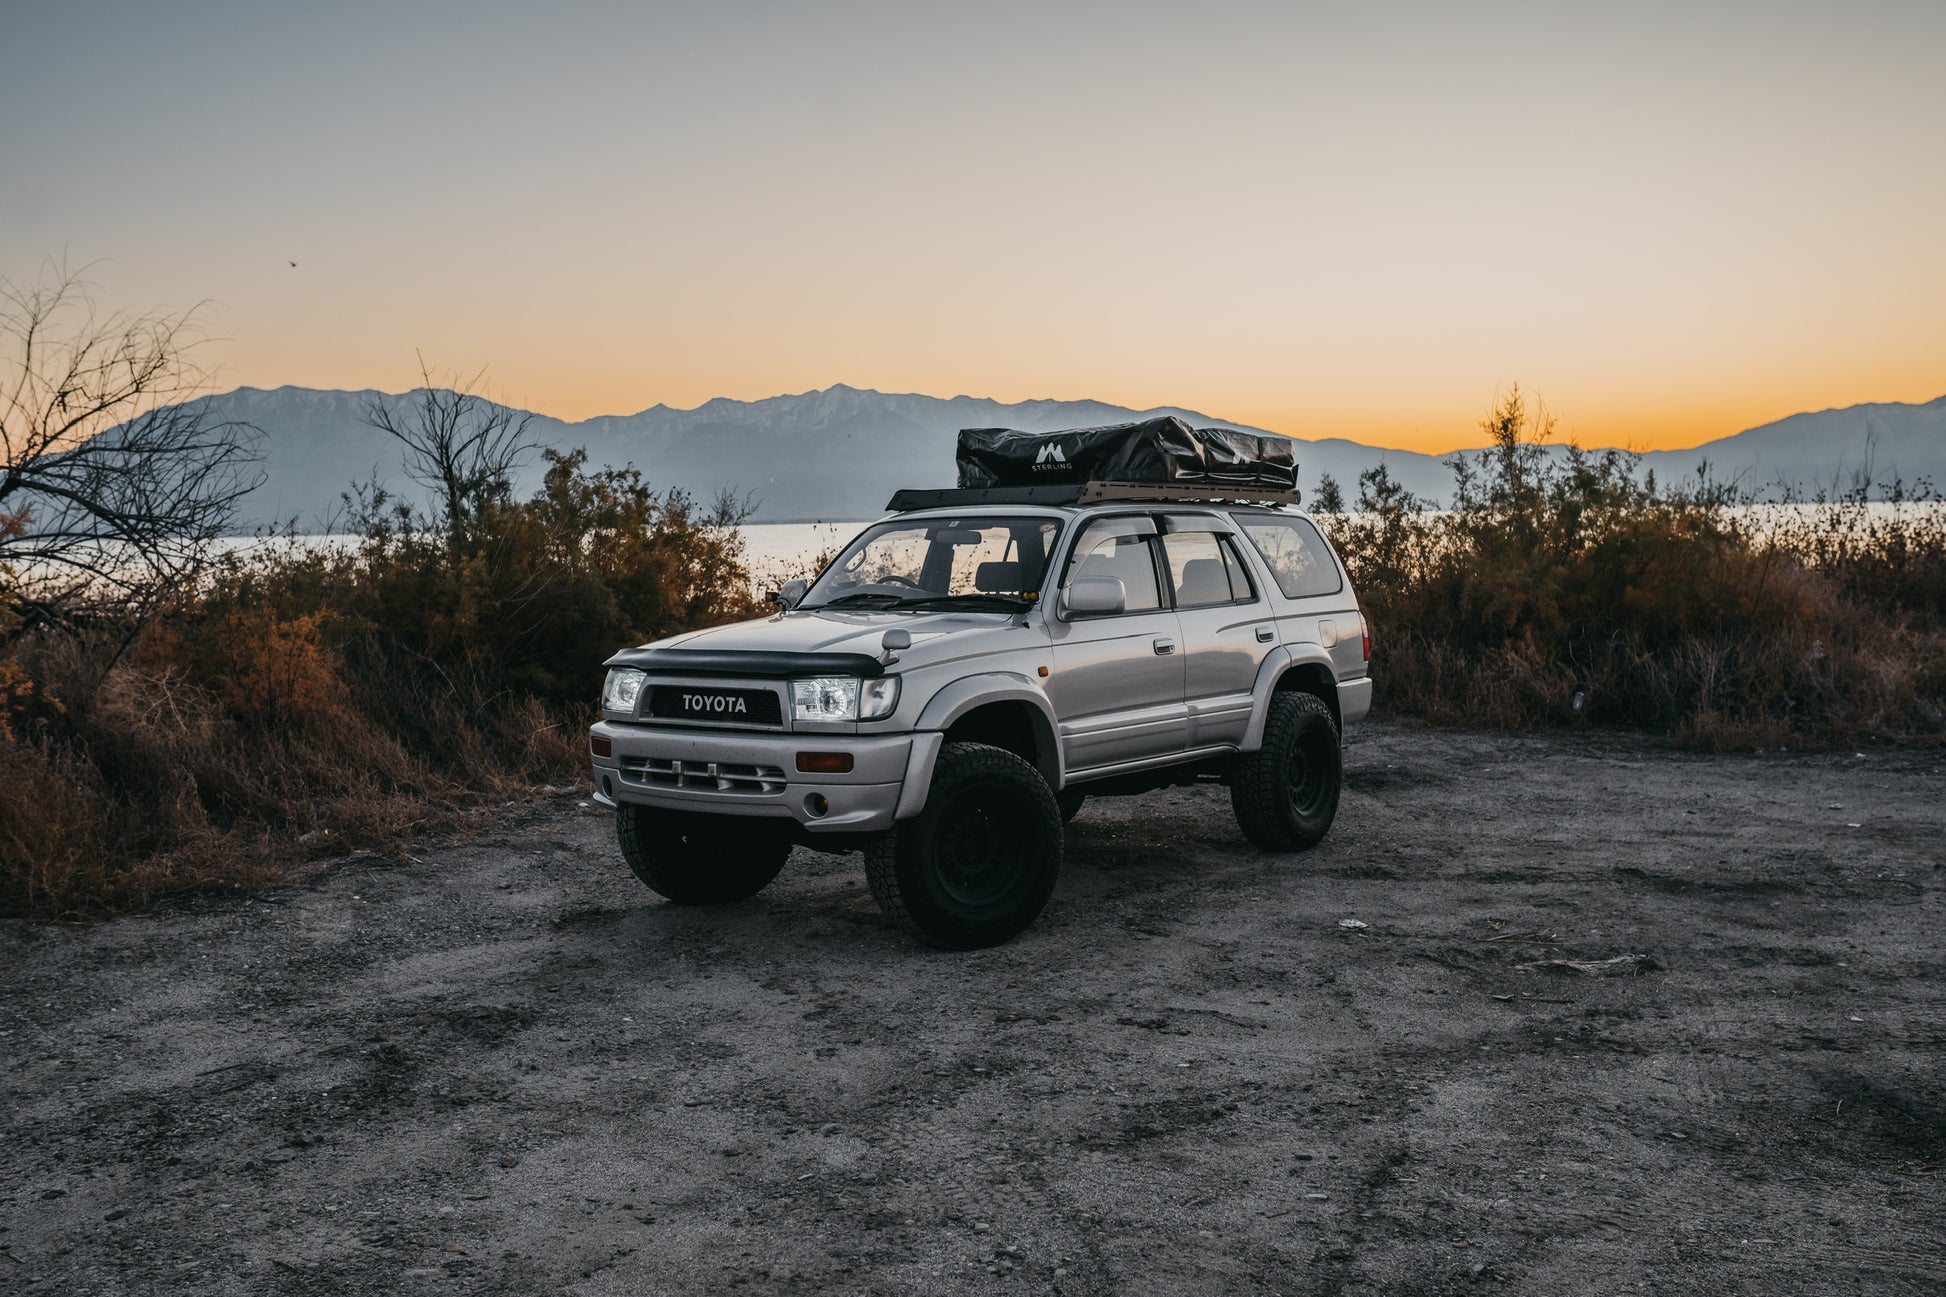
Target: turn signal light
x=601, y=747
x=824, y=763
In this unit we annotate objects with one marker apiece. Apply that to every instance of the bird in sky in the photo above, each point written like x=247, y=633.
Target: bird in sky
x=293, y=264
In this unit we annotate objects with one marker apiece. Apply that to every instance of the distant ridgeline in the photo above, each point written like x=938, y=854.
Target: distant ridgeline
x=840, y=453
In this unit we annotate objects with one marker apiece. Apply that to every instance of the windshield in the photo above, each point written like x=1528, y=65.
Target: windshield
x=990, y=560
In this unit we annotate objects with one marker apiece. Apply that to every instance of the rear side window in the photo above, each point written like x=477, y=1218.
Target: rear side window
x=1204, y=570
x=1295, y=554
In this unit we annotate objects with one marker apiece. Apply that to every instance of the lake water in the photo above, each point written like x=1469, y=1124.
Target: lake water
x=774, y=551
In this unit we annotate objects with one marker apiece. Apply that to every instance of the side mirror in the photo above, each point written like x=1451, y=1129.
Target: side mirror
x=791, y=595
x=1094, y=596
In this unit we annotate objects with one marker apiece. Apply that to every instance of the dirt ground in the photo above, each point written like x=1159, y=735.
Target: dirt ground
x=505, y=1067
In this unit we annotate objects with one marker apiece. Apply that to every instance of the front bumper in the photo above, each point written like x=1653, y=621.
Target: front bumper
x=742, y=773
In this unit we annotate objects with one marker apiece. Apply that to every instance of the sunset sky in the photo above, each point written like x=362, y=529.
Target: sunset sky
x=1673, y=221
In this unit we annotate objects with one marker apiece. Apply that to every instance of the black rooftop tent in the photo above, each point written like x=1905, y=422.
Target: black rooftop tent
x=1163, y=451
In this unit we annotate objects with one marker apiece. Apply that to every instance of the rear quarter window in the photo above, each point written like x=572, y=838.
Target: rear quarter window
x=1296, y=555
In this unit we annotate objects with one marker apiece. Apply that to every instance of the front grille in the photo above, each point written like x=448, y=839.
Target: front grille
x=704, y=776
x=711, y=706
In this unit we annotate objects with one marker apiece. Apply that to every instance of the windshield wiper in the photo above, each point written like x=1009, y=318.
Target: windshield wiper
x=863, y=597
x=1011, y=602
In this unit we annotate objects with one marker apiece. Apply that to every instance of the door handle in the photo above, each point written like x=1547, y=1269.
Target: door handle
x=1265, y=634
x=1165, y=646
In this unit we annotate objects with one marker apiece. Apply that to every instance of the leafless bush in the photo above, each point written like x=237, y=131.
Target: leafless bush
x=457, y=443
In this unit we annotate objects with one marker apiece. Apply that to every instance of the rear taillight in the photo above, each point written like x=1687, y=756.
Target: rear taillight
x=1365, y=633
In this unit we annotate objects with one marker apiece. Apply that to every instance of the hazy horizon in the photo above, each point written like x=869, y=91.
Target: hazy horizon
x=1671, y=222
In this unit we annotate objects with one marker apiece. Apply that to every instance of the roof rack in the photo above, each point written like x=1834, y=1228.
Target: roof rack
x=905, y=501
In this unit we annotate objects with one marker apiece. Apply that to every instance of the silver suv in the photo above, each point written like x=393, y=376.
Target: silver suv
x=952, y=686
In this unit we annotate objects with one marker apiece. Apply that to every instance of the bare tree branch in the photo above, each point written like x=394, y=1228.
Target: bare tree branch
x=120, y=479
x=458, y=444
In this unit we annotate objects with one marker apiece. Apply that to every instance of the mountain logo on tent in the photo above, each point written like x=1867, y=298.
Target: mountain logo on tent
x=1050, y=454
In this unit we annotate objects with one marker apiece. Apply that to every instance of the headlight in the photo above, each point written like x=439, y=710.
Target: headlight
x=842, y=698
x=623, y=687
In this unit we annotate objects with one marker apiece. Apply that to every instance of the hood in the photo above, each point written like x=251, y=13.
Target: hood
x=821, y=640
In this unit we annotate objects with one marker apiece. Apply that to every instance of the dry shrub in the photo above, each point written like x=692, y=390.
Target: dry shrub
x=307, y=702
x=1573, y=590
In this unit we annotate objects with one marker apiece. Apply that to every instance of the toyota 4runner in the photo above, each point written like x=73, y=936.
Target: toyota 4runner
x=944, y=695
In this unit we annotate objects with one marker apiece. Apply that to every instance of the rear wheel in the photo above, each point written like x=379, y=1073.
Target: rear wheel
x=978, y=864
x=700, y=859
x=1286, y=793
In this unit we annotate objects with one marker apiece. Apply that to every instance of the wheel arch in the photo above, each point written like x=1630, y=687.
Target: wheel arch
x=1003, y=710
x=1301, y=669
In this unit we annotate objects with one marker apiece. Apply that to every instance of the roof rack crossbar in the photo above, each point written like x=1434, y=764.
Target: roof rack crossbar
x=1089, y=493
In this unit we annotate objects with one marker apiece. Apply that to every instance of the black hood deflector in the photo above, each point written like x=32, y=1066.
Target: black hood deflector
x=749, y=664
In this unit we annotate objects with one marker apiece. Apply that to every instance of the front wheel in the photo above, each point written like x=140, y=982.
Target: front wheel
x=1285, y=794
x=700, y=859
x=979, y=863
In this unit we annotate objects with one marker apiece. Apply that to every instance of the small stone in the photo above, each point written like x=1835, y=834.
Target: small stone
x=55, y=1193
x=116, y=1214
x=1318, y=1197
x=981, y=1227
x=510, y=1161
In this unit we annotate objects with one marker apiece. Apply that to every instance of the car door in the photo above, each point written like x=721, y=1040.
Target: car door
x=1117, y=679
x=1226, y=622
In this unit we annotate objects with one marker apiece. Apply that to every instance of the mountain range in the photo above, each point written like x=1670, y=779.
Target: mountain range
x=838, y=454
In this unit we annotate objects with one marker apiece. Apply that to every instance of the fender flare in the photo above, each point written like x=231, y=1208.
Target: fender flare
x=1275, y=664
x=955, y=701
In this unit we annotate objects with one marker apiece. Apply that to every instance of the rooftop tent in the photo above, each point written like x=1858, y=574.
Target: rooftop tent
x=1152, y=451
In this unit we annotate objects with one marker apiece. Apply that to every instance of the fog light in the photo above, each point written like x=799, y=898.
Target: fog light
x=601, y=747
x=607, y=788
x=824, y=763
x=817, y=805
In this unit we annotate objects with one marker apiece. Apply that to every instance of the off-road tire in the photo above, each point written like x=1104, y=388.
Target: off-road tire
x=978, y=864
x=700, y=859
x=1070, y=801
x=1285, y=794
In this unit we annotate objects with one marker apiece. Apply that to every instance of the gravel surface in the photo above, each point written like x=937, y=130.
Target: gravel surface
x=1544, y=1015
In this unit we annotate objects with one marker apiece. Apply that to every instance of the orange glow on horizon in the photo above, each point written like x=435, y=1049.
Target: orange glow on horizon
x=1428, y=426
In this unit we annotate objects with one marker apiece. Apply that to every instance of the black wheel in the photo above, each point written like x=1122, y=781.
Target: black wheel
x=700, y=859
x=978, y=864
x=1069, y=800
x=1286, y=794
